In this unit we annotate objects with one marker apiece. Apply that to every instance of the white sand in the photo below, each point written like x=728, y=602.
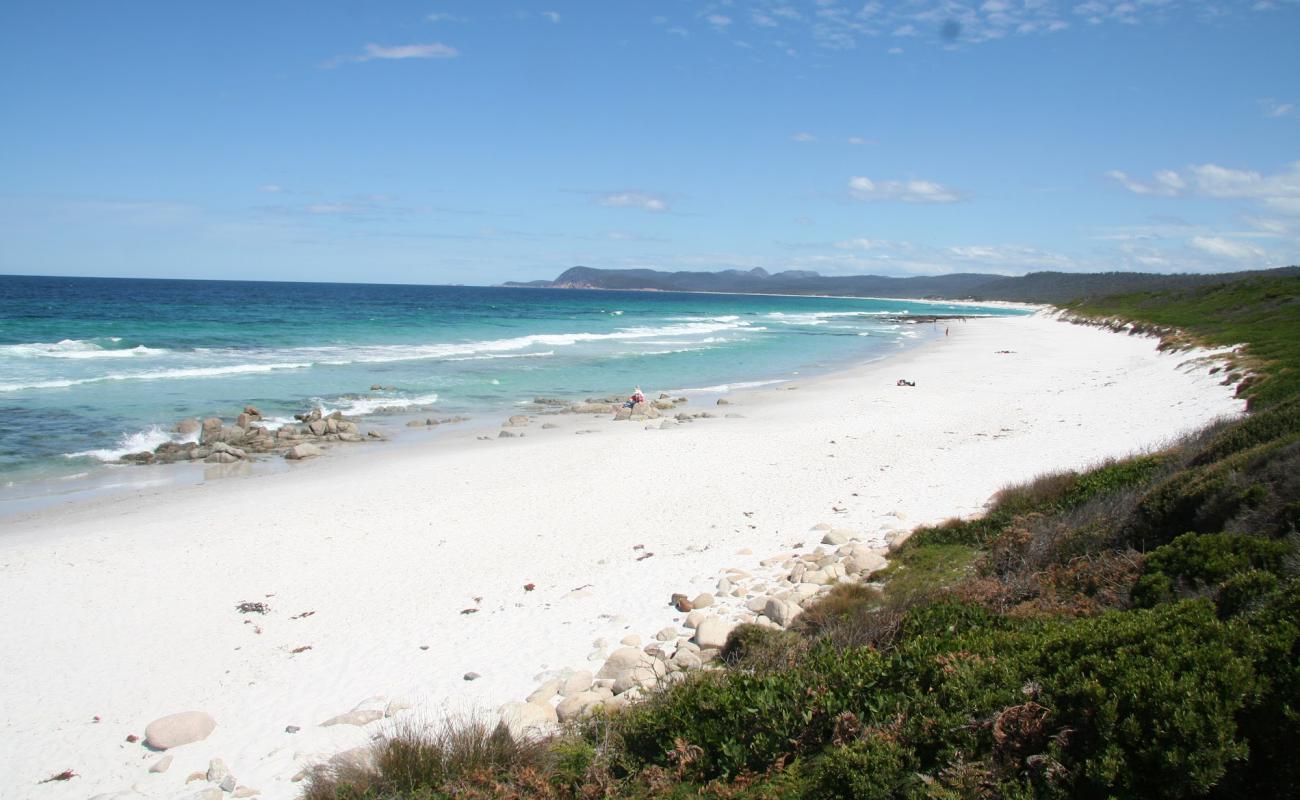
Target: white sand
x=125, y=608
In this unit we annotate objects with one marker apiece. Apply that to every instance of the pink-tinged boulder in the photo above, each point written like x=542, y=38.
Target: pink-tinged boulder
x=175, y=730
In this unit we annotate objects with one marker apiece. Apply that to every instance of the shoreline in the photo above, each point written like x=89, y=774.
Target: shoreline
x=106, y=480
x=387, y=552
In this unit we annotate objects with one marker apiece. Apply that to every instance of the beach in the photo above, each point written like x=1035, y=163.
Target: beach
x=123, y=609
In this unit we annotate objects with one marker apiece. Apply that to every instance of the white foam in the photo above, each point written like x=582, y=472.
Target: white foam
x=361, y=406
x=128, y=443
x=162, y=374
x=77, y=348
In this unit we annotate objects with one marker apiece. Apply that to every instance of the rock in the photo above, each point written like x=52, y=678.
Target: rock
x=579, y=681
x=471, y=676
x=291, y=729
x=623, y=413
x=220, y=458
x=712, y=632
x=838, y=536
x=864, y=563
x=394, y=706
x=304, y=450
x=518, y=421
x=526, y=719
x=686, y=659
x=415, y=423
x=642, y=677
x=816, y=577
x=195, y=776
x=175, y=730
x=666, y=634
x=210, y=793
x=782, y=612
x=724, y=586
x=228, y=783
x=722, y=401
x=703, y=600
x=318, y=427
x=622, y=660
x=506, y=435
x=375, y=387
x=217, y=771
x=361, y=759
x=186, y=427
x=756, y=604
x=631, y=640
x=547, y=426
x=361, y=716
x=694, y=619
x=161, y=765
x=546, y=691
x=244, y=791
x=577, y=706
x=681, y=602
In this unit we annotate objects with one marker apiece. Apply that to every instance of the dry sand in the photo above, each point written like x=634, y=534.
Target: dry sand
x=124, y=609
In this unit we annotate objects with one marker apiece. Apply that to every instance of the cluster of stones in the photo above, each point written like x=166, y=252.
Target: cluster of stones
x=188, y=727
x=219, y=443
x=776, y=599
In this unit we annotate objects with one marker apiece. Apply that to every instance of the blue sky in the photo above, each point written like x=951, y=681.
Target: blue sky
x=476, y=142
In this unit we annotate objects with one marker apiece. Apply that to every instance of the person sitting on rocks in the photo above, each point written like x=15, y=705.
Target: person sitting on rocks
x=637, y=397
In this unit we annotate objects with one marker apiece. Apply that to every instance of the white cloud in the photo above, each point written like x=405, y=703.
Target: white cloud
x=640, y=200
x=271, y=188
x=1226, y=248
x=718, y=20
x=1274, y=109
x=856, y=140
x=860, y=244
x=442, y=16
x=553, y=16
x=913, y=191
x=400, y=52
x=1167, y=183
x=802, y=136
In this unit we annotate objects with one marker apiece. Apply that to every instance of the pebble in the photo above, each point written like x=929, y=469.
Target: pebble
x=291, y=729
x=471, y=676
x=161, y=765
x=631, y=640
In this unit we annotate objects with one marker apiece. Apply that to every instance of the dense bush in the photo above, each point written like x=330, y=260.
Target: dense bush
x=747, y=721
x=872, y=768
x=1194, y=563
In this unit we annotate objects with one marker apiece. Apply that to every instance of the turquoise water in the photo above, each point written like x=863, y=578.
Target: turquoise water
x=91, y=369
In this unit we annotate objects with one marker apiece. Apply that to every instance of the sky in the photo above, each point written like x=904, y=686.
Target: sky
x=479, y=142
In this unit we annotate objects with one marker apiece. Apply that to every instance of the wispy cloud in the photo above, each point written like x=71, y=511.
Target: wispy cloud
x=1279, y=192
x=912, y=191
x=802, y=136
x=1226, y=248
x=377, y=52
x=553, y=16
x=718, y=20
x=443, y=16
x=1274, y=109
x=638, y=200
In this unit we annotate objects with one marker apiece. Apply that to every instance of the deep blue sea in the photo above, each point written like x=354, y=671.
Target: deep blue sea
x=93, y=368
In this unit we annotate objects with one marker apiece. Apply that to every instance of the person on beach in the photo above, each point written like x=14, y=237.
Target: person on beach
x=637, y=397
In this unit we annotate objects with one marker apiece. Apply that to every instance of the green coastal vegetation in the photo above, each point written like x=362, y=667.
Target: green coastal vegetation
x=1132, y=630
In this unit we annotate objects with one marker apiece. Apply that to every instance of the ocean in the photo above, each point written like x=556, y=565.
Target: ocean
x=94, y=368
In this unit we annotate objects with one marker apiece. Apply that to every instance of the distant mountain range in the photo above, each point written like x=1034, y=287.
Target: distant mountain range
x=1036, y=287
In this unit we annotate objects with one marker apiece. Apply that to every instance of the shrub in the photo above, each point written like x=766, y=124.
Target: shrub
x=1269, y=635
x=757, y=647
x=1197, y=562
x=1282, y=420
x=1145, y=700
x=872, y=768
x=748, y=721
